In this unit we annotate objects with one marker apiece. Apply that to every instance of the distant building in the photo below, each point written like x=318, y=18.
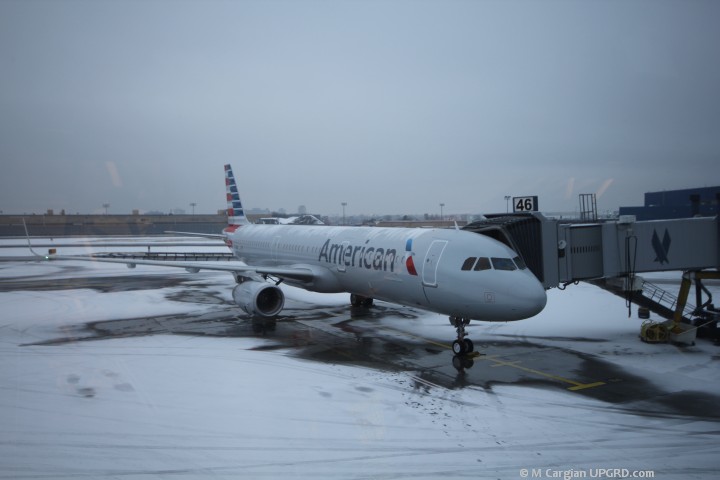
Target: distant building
x=691, y=202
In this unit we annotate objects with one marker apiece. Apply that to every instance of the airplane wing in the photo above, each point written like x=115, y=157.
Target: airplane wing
x=293, y=273
x=195, y=234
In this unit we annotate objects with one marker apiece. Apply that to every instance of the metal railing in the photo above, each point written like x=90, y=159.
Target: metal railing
x=663, y=297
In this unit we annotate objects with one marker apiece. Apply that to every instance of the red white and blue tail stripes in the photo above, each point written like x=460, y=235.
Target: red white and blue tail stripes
x=235, y=212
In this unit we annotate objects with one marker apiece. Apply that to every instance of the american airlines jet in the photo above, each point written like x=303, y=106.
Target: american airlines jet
x=457, y=273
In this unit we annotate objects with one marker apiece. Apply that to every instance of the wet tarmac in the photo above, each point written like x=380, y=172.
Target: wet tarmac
x=334, y=334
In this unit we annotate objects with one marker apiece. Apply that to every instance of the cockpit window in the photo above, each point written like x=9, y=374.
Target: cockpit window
x=520, y=263
x=503, y=264
x=483, y=263
x=468, y=263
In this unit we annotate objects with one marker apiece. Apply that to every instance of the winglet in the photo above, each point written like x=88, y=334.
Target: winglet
x=27, y=235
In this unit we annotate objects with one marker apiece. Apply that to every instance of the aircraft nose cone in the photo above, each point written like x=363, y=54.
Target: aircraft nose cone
x=531, y=297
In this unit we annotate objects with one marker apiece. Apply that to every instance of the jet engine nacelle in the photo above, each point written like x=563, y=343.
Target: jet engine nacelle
x=258, y=298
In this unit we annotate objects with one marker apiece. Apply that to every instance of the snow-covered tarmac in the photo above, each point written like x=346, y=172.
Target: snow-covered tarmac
x=163, y=405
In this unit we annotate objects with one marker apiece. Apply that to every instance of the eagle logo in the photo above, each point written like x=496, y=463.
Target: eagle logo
x=661, y=248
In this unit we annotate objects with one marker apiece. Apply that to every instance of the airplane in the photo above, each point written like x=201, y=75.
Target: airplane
x=461, y=274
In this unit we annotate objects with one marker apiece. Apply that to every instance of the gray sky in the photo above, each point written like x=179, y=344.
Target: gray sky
x=390, y=106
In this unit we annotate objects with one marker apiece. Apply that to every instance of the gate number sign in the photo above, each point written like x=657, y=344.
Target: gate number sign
x=525, y=204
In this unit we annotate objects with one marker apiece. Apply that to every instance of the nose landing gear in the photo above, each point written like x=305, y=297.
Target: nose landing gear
x=462, y=345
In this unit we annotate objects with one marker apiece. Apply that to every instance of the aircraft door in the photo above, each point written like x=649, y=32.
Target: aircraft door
x=432, y=260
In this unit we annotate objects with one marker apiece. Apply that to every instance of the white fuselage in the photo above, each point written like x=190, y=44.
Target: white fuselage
x=429, y=268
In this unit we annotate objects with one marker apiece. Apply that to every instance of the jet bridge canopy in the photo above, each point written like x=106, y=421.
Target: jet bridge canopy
x=522, y=232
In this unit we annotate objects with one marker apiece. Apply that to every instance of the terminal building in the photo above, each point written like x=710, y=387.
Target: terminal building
x=688, y=203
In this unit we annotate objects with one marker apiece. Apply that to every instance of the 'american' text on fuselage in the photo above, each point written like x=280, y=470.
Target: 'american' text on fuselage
x=370, y=258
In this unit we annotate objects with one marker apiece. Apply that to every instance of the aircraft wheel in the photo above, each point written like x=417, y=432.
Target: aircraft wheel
x=469, y=347
x=458, y=347
x=367, y=302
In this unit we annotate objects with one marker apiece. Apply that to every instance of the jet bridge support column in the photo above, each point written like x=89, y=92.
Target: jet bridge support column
x=676, y=329
x=682, y=297
x=705, y=312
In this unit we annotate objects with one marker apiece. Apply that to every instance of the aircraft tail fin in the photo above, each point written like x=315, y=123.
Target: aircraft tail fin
x=235, y=211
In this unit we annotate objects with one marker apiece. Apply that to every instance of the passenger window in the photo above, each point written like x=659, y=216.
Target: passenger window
x=483, y=263
x=520, y=263
x=468, y=263
x=503, y=264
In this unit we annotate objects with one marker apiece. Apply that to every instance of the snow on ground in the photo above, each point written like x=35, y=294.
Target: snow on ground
x=198, y=407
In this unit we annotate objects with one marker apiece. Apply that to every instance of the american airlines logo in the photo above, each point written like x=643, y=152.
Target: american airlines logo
x=661, y=248
x=370, y=258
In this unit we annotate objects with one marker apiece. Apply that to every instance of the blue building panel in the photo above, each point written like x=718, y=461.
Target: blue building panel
x=686, y=203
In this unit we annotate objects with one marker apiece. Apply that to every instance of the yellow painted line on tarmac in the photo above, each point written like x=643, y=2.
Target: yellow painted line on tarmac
x=506, y=364
x=575, y=385
x=587, y=385
x=437, y=344
x=426, y=340
x=502, y=363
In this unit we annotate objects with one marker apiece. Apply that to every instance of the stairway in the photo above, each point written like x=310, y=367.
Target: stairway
x=647, y=295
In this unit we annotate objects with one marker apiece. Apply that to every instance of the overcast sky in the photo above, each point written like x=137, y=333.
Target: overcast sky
x=390, y=106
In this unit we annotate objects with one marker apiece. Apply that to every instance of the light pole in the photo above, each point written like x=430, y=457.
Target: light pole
x=193, y=205
x=441, y=211
x=344, y=204
x=507, y=203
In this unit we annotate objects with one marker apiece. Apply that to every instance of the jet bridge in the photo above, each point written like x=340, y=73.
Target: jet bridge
x=610, y=254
